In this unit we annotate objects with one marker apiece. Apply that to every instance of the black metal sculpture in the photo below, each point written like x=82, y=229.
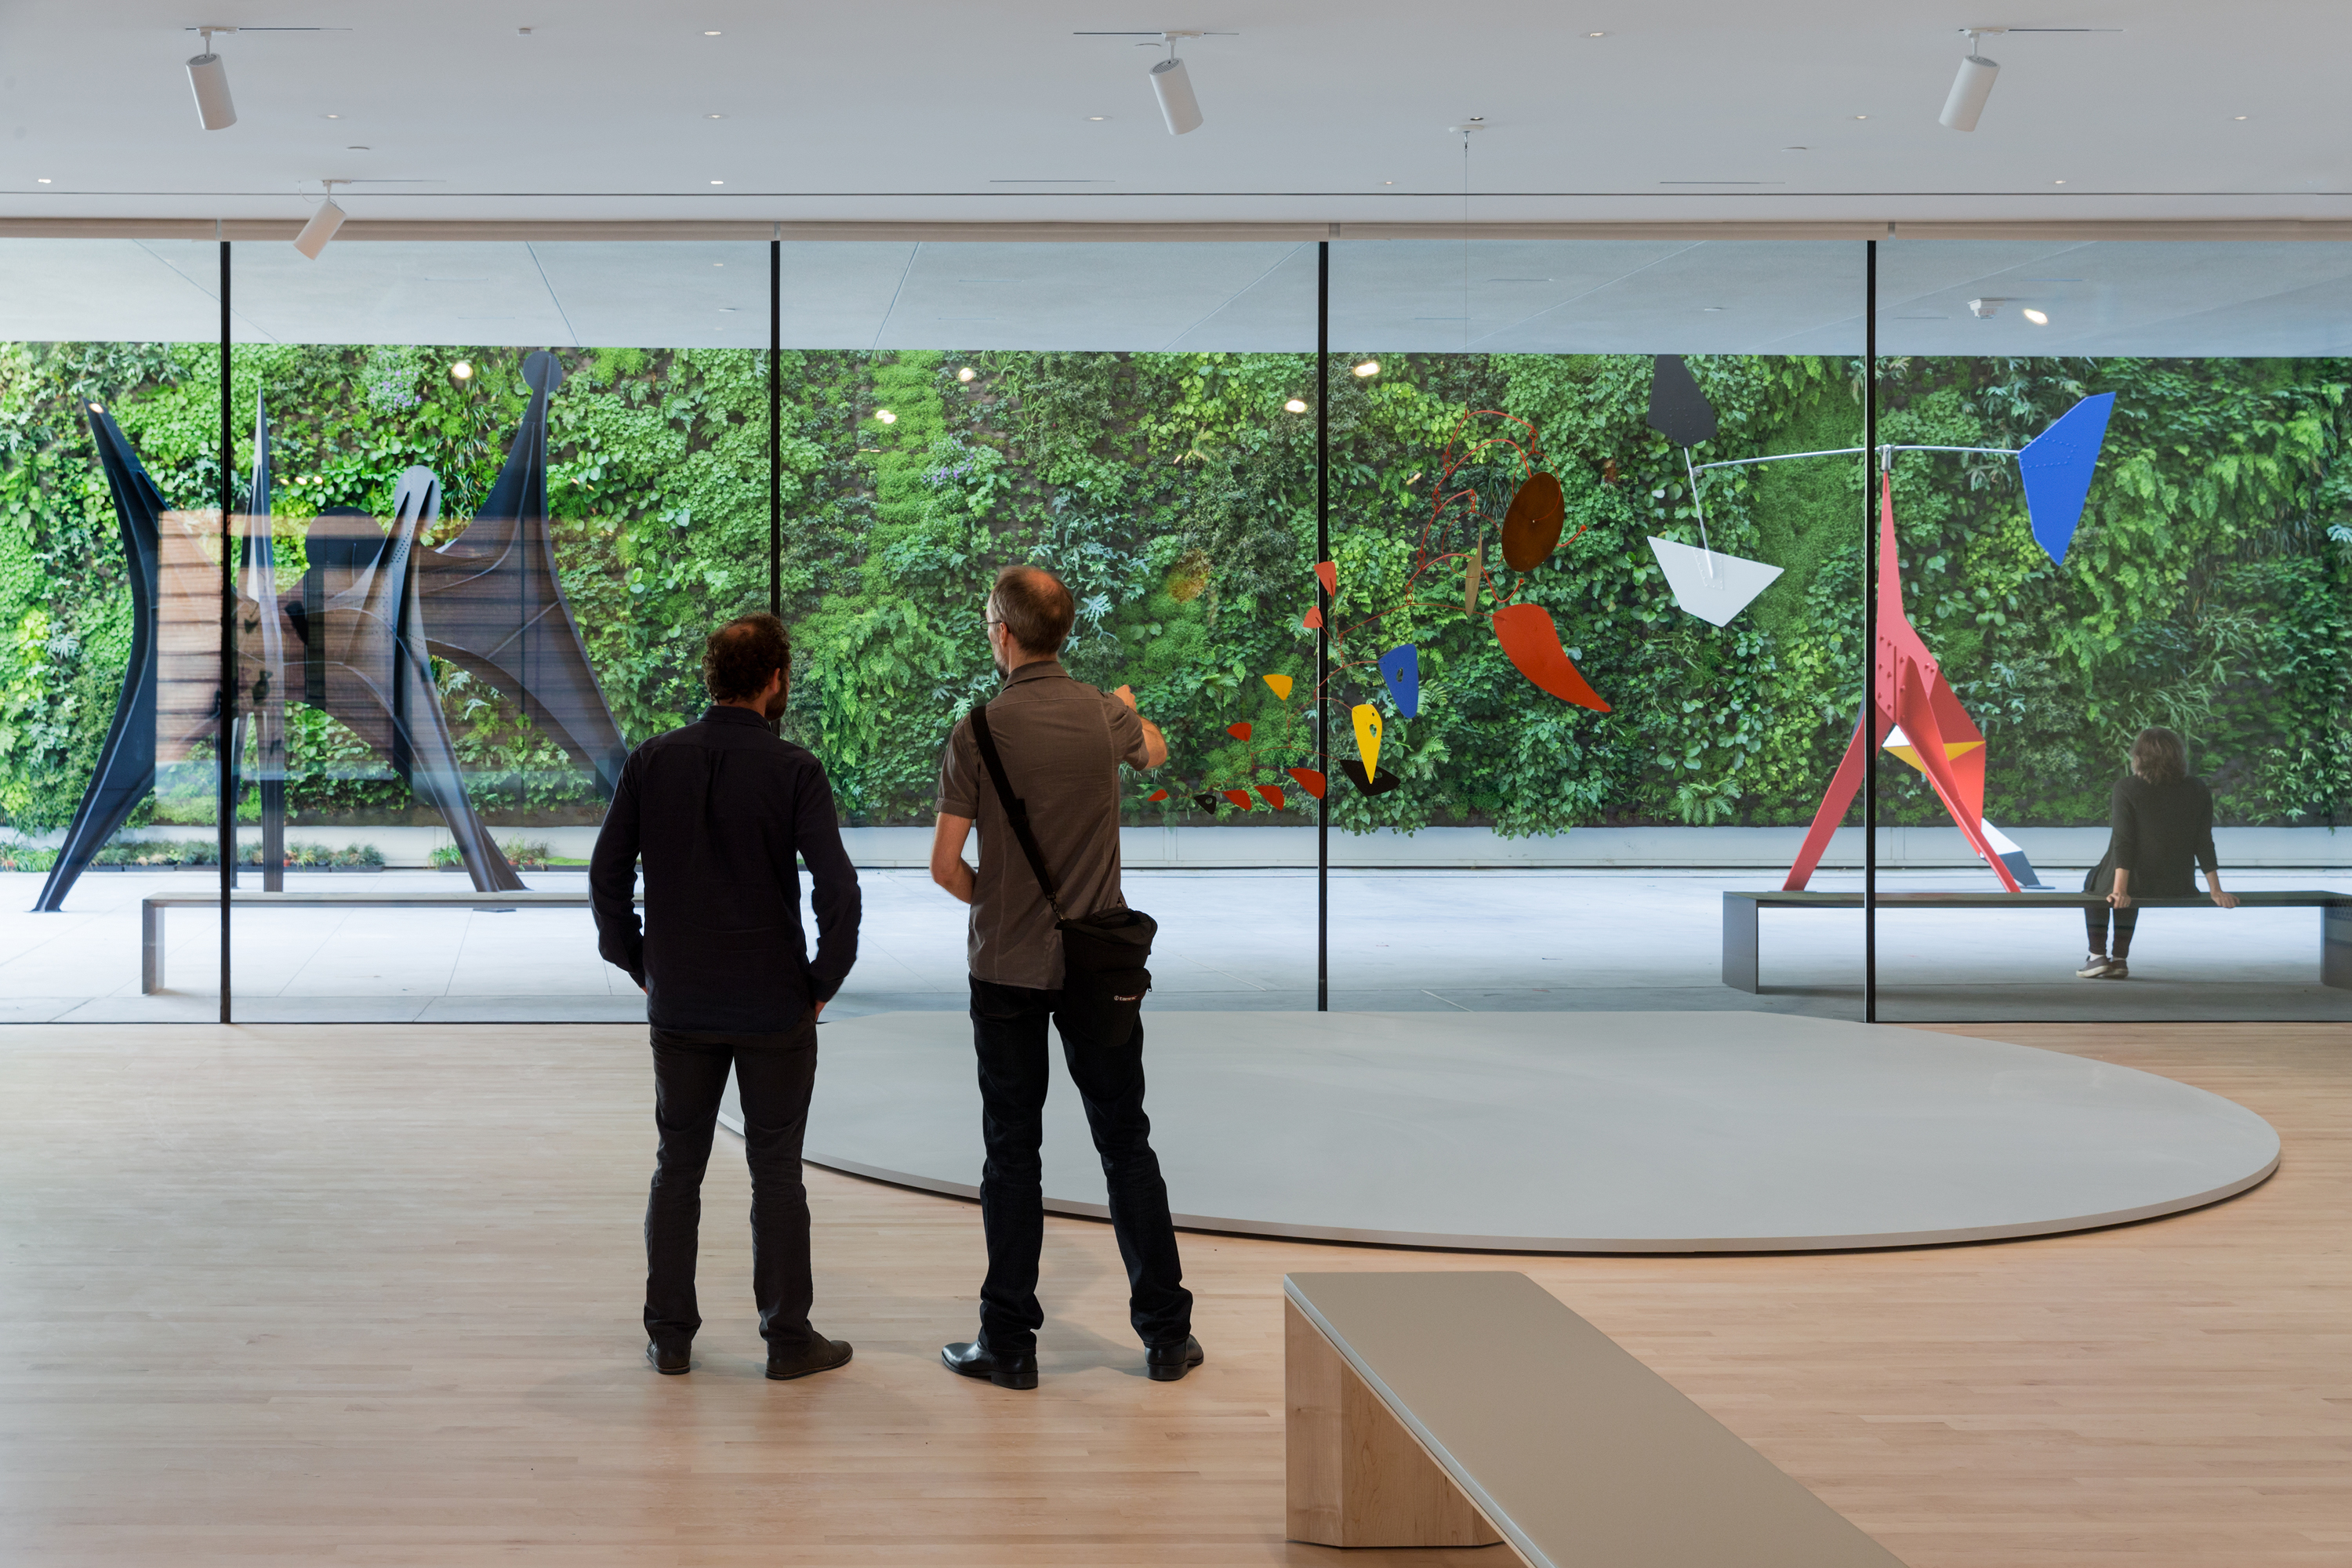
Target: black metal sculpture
x=374, y=609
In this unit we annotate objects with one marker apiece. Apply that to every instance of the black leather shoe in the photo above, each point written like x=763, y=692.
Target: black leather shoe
x=822, y=1355
x=1166, y=1363
x=669, y=1359
x=976, y=1360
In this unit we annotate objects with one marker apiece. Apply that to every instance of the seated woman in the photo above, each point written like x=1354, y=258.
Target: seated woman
x=2161, y=821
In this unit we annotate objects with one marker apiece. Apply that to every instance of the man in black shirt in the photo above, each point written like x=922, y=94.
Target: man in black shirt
x=718, y=811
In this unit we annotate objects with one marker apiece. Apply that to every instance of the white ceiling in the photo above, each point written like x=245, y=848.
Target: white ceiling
x=2243, y=297
x=939, y=111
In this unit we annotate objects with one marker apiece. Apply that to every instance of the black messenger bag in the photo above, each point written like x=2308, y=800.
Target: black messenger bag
x=1103, y=954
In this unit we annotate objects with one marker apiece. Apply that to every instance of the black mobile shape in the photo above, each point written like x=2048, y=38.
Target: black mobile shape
x=1678, y=410
x=126, y=762
x=495, y=606
x=374, y=610
x=1379, y=784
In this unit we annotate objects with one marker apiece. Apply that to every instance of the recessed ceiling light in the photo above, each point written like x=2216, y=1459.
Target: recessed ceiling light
x=2057, y=182
x=714, y=117
x=1388, y=181
x=1596, y=35
x=712, y=33
x=1371, y=367
x=2036, y=317
x=966, y=374
x=44, y=180
x=717, y=181
x=2238, y=117
x=1096, y=119
x=885, y=416
x=338, y=117
x=719, y=264
x=1711, y=308
x=1861, y=117
x=1296, y=405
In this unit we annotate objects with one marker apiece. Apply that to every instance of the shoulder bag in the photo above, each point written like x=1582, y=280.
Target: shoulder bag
x=1103, y=954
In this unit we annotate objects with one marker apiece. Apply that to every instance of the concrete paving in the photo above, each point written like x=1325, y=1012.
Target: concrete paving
x=1482, y=941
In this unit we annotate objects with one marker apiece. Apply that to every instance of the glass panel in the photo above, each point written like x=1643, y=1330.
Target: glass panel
x=2200, y=590
x=1118, y=413
x=1593, y=766
x=109, y=615
x=511, y=487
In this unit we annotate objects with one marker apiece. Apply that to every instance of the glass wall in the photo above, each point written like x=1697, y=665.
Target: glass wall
x=488, y=498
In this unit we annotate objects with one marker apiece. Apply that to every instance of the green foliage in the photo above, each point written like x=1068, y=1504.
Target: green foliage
x=2206, y=587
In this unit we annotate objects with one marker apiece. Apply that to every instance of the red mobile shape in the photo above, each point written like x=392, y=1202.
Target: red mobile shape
x=1532, y=642
x=1909, y=690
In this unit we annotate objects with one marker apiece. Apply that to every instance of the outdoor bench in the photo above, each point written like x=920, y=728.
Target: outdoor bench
x=1740, y=910
x=152, y=908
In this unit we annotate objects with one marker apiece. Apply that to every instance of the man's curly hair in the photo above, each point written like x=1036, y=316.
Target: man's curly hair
x=740, y=656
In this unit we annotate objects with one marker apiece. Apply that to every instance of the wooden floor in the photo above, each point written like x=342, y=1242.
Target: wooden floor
x=370, y=1295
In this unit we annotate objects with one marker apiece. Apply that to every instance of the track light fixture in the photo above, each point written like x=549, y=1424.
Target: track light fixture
x=322, y=225
x=1171, y=82
x=1973, y=85
x=209, y=78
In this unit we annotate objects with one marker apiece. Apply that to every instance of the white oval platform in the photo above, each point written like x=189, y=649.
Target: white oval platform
x=1574, y=1131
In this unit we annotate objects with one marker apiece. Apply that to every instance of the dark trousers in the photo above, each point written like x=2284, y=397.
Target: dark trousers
x=1008, y=1027
x=774, y=1074
x=2094, y=918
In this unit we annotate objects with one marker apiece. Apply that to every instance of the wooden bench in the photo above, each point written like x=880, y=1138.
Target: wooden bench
x=152, y=908
x=1444, y=1409
x=1739, y=918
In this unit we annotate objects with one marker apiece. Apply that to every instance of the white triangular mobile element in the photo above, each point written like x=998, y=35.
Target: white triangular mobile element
x=1709, y=584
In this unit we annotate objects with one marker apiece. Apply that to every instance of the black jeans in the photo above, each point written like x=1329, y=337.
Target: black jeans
x=1008, y=1028
x=774, y=1074
x=2094, y=921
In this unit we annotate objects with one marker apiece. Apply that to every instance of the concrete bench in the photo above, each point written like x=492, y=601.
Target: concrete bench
x=1739, y=918
x=152, y=908
x=1462, y=1409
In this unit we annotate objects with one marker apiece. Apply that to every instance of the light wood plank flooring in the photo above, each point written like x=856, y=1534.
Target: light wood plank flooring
x=369, y=1296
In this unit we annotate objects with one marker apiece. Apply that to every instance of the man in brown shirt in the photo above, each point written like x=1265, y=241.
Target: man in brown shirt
x=1061, y=742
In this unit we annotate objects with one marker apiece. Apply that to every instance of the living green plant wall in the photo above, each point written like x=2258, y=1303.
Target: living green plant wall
x=1175, y=493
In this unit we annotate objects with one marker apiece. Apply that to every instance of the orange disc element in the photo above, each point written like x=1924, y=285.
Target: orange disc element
x=1155, y=795
x=1314, y=619
x=1273, y=794
x=1240, y=731
x=1310, y=780
x=1531, y=528
x=1239, y=798
x=1532, y=643
x=1329, y=571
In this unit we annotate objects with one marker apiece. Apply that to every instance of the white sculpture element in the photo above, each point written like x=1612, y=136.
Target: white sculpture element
x=1709, y=584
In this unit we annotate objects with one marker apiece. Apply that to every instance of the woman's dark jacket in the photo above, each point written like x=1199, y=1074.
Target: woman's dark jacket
x=2159, y=831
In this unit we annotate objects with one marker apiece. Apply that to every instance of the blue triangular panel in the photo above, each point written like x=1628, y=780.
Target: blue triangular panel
x=2056, y=467
x=1400, y=667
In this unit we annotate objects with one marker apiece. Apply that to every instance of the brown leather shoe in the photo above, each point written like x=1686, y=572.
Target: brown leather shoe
x=821, y=1355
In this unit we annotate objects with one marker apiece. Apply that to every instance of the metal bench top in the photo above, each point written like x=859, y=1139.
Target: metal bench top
x=1573, y=1450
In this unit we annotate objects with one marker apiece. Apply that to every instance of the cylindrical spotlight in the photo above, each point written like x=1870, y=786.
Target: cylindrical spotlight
x=319, y=229
x=209, y=77
x=1177, y=105
x=1970, y=91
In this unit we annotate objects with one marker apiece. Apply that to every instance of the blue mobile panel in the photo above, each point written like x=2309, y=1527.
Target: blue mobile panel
x=1400, y=667
x=2056, y=467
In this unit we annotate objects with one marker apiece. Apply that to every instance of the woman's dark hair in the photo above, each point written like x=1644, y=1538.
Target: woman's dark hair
x=2158, y=756
x=742, y=655
x=1034, y=607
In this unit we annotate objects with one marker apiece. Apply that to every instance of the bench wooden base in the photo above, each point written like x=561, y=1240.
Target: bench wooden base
x=1353, y=1475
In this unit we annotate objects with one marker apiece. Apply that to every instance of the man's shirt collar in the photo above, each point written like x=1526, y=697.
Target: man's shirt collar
x=1042, y=669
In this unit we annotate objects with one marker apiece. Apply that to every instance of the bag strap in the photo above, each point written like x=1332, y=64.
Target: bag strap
x=1016, y=811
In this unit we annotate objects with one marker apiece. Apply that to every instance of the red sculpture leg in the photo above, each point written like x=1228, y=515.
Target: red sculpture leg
x=1917, y=716
x=1839, y=795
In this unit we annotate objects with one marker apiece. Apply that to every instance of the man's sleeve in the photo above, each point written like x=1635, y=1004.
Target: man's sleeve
x=1127, y=741
x=833, y=885
x=613, y=880
x=959, y=774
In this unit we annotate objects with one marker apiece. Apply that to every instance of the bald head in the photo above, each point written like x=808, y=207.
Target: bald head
x=1035, y=608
